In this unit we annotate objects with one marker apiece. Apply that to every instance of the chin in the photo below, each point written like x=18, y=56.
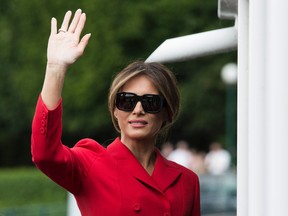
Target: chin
x=139, y=135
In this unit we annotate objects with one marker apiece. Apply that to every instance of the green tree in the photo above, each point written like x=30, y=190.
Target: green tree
x=122, y=31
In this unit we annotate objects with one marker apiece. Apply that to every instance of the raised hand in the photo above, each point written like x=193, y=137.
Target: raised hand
x=65, y=46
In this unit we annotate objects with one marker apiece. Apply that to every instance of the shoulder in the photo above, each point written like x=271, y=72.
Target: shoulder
x=90, y=145
x=88, y=152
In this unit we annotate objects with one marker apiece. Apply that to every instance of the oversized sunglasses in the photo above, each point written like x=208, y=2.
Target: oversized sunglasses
x=127, y=101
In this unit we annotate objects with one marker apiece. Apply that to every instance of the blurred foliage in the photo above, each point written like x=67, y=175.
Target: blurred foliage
x=27, y=186
x=122, y=31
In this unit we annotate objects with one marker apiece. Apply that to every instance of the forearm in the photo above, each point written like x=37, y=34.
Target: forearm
x=53, y=85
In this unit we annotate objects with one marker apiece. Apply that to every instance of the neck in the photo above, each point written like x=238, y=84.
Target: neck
x=144, y=153
x=147, y=161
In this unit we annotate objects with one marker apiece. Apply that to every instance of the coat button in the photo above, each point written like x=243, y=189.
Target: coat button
x=43, y=130
x=137, y=207
x=44, y=115
x=43, y=123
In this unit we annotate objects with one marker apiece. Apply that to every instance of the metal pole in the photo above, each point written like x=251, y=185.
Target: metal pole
x=231, y=119
x=229, y=77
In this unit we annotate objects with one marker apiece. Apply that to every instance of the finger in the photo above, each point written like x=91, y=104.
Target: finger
x=83, y=43
x=80, y=24
x=66, y=20
x=53, y=26
x=75, y=21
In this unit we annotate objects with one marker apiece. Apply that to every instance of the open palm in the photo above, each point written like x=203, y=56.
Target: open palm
x=65, y=46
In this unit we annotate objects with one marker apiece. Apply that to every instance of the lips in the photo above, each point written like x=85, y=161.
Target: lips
x=138, y=122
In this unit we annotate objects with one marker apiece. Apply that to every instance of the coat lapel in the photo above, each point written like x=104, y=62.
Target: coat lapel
x=164, y=174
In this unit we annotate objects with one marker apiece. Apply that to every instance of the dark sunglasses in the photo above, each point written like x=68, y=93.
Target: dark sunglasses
x=127, y=101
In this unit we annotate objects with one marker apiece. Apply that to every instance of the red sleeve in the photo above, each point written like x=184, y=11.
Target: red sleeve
x=46, y=132
x=60, y=163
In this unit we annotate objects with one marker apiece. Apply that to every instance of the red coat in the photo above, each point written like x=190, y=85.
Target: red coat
x=110, y=181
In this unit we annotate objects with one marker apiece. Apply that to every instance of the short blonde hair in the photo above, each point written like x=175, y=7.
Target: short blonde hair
x=162, y=78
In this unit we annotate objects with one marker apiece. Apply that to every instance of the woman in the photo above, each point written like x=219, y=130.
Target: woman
x=129, y=177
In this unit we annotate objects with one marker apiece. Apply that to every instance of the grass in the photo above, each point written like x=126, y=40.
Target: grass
x=26, y=189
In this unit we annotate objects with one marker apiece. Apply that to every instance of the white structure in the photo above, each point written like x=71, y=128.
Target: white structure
x=72, y=209
x=201, y=44
x=263, y=107
x=262, y=142
x=196, y=45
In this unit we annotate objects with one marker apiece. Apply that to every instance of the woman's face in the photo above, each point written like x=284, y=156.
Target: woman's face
x=138, y=125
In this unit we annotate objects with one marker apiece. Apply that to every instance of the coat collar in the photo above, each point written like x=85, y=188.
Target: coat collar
x=164, y=174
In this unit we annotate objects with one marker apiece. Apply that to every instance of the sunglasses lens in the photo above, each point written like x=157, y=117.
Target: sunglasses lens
x=150, y=103
x=126, y=101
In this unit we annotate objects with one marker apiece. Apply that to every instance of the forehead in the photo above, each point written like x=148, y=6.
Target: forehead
x=140, y=85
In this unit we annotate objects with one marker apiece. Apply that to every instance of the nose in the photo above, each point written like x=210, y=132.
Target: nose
x=138, y=108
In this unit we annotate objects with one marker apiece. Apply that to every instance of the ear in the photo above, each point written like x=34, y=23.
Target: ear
x=115, y=113
x=165, y=119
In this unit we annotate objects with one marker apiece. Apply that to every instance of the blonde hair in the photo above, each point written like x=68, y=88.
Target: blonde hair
x=162, y=78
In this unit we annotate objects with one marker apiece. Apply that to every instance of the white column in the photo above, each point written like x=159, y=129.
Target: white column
x=277, y=108
x=257, y=113
x=242, y=109
x=267, y=110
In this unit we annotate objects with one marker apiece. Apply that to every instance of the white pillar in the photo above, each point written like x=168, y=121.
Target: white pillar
x=276, y=108
x=256, y=114
x=242, y=109
x=267, y=144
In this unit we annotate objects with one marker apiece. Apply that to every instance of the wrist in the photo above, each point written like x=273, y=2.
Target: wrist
x=56, y=67
x=53, y=84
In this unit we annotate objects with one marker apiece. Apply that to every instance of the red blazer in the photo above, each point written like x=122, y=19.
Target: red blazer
x=110, y=181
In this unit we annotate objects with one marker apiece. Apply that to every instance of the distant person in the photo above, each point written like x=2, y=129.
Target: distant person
x=181, y=155
x=198, y=162
x=166, y=149
x=130, y=176
x=217, y=160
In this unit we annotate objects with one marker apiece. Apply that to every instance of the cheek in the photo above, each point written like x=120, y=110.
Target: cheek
x=121, y=117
